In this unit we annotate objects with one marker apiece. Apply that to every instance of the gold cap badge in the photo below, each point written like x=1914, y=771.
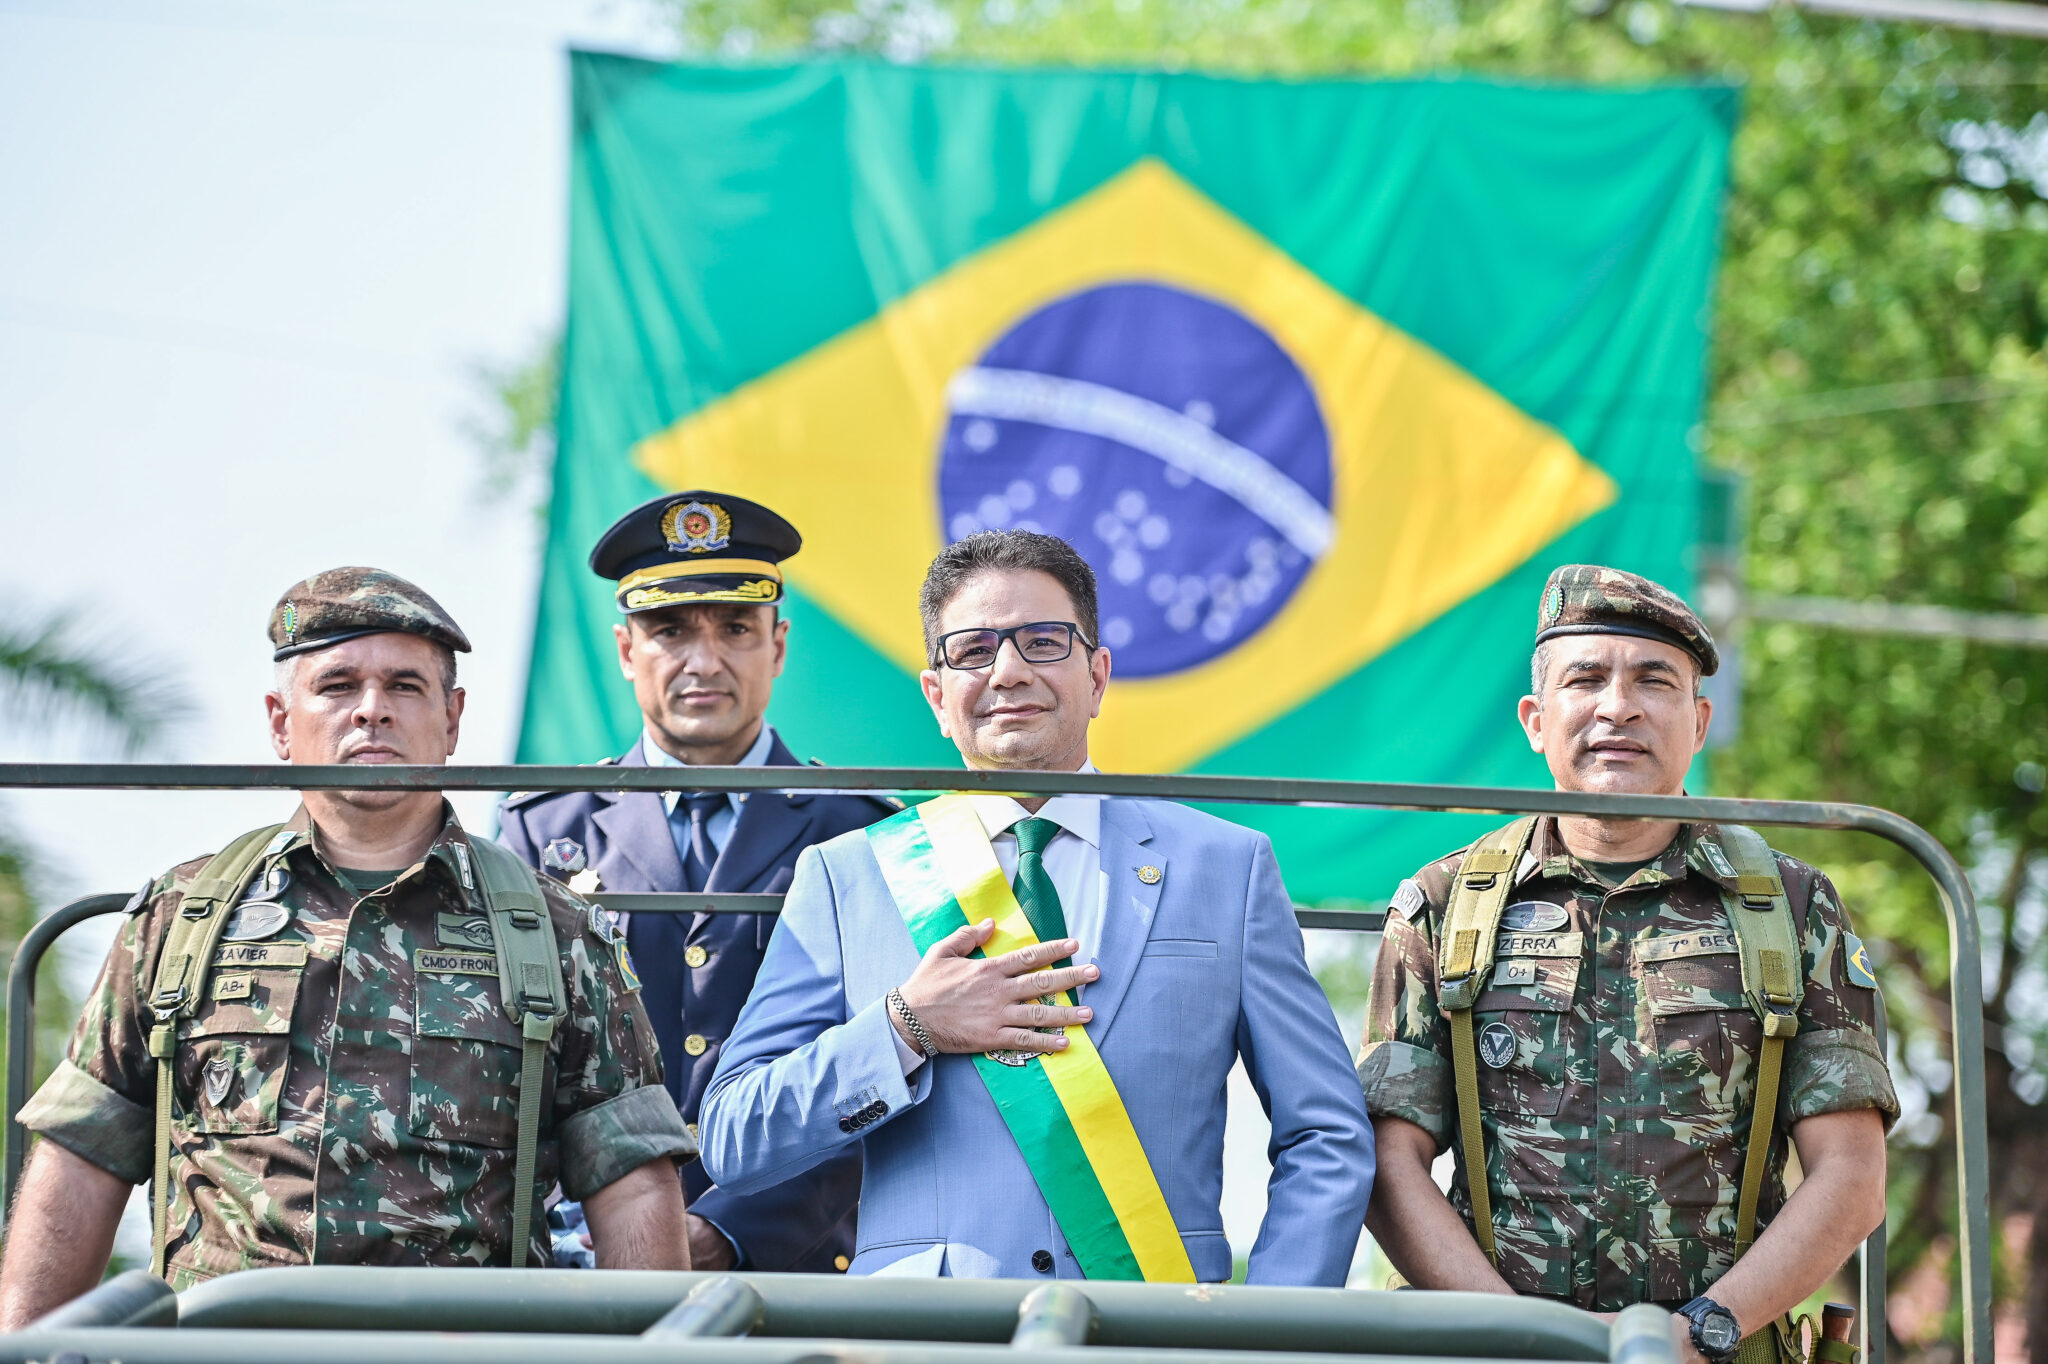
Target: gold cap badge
x=696, y=527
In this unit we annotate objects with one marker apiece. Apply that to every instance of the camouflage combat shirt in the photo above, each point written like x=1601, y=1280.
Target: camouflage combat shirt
x=348, y=1093
x=1617, y=1063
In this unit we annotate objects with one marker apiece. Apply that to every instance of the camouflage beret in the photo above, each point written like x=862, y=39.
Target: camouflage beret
x=347, y=603
x=1586, y=599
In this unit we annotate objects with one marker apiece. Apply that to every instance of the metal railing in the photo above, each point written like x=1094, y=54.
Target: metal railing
x=1958, y=904
x=324, y=1315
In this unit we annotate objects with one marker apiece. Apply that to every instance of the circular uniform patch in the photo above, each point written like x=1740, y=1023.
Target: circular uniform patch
x=1496, y=1044
x=1171, y=440
x=1533, y=916
x=255, y=919
x=1553, y=606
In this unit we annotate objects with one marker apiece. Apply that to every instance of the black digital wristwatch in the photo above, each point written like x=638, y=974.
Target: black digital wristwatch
x=1715, y=1333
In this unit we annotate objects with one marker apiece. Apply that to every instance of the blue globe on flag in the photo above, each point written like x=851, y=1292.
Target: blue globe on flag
x=1167, y=437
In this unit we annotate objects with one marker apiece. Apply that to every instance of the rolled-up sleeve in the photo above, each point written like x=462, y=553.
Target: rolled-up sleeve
x=603, y=1144
x=93, y=1123
x=1402, y=1080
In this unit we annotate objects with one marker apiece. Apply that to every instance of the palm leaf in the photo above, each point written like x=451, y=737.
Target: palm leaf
x=49, y=673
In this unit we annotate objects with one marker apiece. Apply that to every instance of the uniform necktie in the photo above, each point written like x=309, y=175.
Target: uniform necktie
x=1033, y=883
x=700, y=854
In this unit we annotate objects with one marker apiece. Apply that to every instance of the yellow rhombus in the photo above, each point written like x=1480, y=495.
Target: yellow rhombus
x=1440, y=485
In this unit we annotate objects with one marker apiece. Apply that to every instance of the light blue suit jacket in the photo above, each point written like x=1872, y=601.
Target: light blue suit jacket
x=1198, y=969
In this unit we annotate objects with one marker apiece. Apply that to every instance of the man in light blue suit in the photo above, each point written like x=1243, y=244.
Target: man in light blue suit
x=1185, y=958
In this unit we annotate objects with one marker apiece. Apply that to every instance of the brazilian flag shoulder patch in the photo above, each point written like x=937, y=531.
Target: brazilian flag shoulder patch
x=1859, y=962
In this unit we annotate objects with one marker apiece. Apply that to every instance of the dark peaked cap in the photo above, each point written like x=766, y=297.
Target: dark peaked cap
x=1586, y=599
x=696, y=546
x=347, y=603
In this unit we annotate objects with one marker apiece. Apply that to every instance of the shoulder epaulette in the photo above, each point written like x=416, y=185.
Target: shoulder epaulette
x=139, y=901
x=522, y=797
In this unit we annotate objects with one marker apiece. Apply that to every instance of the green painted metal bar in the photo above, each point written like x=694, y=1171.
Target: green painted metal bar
x=1338, y=920
x=1872, y=1290
x=21, y=1014
x=1958, y=902
x=1054, y=1317
x=1642, y=1335
x=133, y=1298
x=699, y=903
x=821, y=1306
x=724, y=1306
x=353, y=1347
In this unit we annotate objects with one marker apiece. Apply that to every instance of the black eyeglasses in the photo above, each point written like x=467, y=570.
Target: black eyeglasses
x=1043, y=641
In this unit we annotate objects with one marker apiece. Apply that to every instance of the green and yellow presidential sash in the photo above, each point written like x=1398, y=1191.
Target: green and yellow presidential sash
x=1061, y=1107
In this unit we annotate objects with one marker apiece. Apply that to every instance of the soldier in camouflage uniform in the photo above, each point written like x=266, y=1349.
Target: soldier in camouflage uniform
x=347, y=1092
x=1616, y=1050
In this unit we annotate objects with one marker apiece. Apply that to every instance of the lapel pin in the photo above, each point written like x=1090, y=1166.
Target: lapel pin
x=1149, y=874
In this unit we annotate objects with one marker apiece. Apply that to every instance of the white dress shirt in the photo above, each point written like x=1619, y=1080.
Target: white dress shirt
x=720, y=825
x=1073, y=859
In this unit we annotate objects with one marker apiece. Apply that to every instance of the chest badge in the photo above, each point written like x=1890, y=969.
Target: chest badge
x=271, y=886
x=1533, y=916
x=218, y=1075
x=1496, y=1045
x=563, y=856
x=465, y=930
x=255, y=919
x=1149, y=875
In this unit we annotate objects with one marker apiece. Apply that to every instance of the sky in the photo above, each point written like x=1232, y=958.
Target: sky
x=250, y=258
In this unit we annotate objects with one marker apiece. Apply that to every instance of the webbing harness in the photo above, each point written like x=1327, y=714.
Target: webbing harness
x=531, y=990
x=180, y=984
x=1471, y=923
x=1772, y=980
x=529, y=986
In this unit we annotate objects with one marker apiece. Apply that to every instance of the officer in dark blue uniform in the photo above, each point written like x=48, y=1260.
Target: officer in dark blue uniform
x=702, y=642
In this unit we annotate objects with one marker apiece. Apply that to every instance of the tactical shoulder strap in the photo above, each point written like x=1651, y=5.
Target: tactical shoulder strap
x=182, y=968
x=1465, y=957
x=531, y=989
x=1774, y=979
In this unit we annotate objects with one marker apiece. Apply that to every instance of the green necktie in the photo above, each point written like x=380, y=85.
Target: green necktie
x=1033, y=884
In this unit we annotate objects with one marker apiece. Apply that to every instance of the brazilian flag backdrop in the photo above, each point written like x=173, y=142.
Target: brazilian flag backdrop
x=1322, y=378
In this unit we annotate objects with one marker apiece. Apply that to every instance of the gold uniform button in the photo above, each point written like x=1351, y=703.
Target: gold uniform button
x=695, y=1044
x=691, y=1128
x=841, y=1263
x=694, y=955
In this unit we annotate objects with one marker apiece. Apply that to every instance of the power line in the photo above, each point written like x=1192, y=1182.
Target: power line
x=1856, y=402
x=1889, y=618
x=1983, y=16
